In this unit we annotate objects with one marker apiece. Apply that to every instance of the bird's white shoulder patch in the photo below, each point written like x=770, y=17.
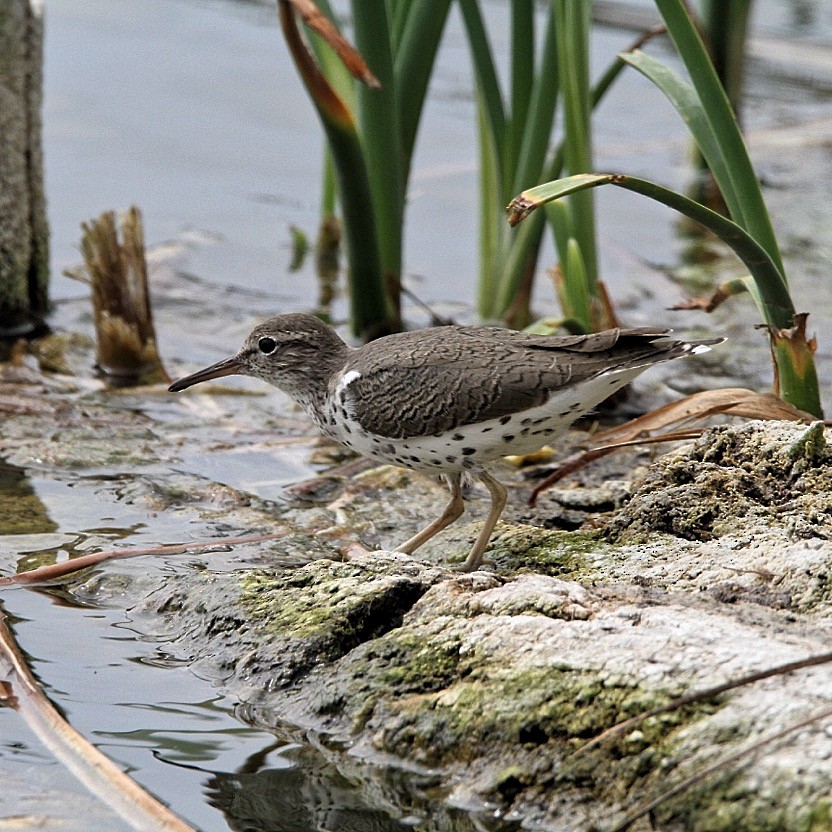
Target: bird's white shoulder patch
x=349, y=378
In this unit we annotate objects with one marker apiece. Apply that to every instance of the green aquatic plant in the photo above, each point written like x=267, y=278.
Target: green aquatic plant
x=371, y=127
x=705, y=108
x=516, y=150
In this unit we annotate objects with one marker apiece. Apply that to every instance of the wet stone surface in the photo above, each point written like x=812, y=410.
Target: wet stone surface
x=708, y=563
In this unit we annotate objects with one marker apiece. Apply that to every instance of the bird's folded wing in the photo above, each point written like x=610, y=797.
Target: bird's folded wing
x=472, y=375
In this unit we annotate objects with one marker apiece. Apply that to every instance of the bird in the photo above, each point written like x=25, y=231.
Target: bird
x=445, y=400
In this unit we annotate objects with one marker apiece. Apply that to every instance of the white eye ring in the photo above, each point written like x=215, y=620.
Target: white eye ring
x=267, y=345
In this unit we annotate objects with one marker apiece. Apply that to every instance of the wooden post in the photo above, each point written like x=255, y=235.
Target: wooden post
x=24, y=254
x=116, y=271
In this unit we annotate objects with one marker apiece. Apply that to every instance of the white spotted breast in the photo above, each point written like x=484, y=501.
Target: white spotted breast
x=468, y=447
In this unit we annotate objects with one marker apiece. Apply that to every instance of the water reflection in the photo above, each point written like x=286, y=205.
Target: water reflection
x=22, y=509
x=286, y=783
x=295, y=800
x=312, y=794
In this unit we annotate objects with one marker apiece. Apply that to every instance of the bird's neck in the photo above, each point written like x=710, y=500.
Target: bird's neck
x=310, y=385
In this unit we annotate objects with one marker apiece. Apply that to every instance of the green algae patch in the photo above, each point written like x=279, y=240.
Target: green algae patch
x=559, y=554
x=728, y=803
x=336, y=600
x=401, y=664
x=551, y=710
x=325, y=609
x=410, y=663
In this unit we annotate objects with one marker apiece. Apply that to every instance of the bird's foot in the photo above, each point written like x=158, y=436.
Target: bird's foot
x=474, y=565
x=352, y=550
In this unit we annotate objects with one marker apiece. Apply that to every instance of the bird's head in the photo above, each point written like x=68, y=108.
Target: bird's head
x=296, y=352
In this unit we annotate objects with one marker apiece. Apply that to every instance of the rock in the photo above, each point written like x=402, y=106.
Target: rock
x=494, y=681
x=734, y=480
x=488, y=685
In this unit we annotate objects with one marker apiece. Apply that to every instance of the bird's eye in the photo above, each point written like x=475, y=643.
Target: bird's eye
x=267, y=345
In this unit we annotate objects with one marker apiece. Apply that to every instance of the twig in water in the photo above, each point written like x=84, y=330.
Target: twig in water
x=100, y=775
x=58, y=570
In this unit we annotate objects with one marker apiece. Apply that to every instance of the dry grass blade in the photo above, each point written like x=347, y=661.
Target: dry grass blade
x=323, y=95
x=108, y=783
x=67, y=567
x=730, y=401
x=708, y=303
x=314, y=18
x=719, y=764
x=699, y=696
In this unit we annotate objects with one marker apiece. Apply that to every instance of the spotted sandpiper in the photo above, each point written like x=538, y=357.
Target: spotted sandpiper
x=448, y=399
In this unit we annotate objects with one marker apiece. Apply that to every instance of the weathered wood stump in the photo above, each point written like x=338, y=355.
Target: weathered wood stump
x=24, y=257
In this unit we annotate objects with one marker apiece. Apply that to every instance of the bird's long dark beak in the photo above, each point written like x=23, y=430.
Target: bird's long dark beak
x=226, y=367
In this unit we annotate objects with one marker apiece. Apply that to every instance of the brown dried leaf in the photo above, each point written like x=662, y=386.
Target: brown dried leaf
x=519, y=208
x=609, y=318
x=316, y=20
x=730, y=401
x=708, y=303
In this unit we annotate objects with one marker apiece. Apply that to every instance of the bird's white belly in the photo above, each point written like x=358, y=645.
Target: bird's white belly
x=471, y=446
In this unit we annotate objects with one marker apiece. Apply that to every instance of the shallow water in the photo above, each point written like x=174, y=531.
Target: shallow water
x=191, y=109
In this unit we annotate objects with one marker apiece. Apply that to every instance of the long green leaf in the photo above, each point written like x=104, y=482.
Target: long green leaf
x=754, y=217
x=371, y=312
x=524, y=245
x=796, y=373
x=683, y=97
x=489, y=218
x=777, y=309
x=414, y=60
x=557, y=212
x=328, y=192
x=726, y=31
x=576, y=290
x=380, y=136
x=485, y=73
x=572, y=20
x=542, y=105
x=399, y=14
x=522, y=82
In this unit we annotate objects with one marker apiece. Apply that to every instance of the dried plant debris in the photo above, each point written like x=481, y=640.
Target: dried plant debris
x=708, y=303
x=117, y=272
x=679, y=415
